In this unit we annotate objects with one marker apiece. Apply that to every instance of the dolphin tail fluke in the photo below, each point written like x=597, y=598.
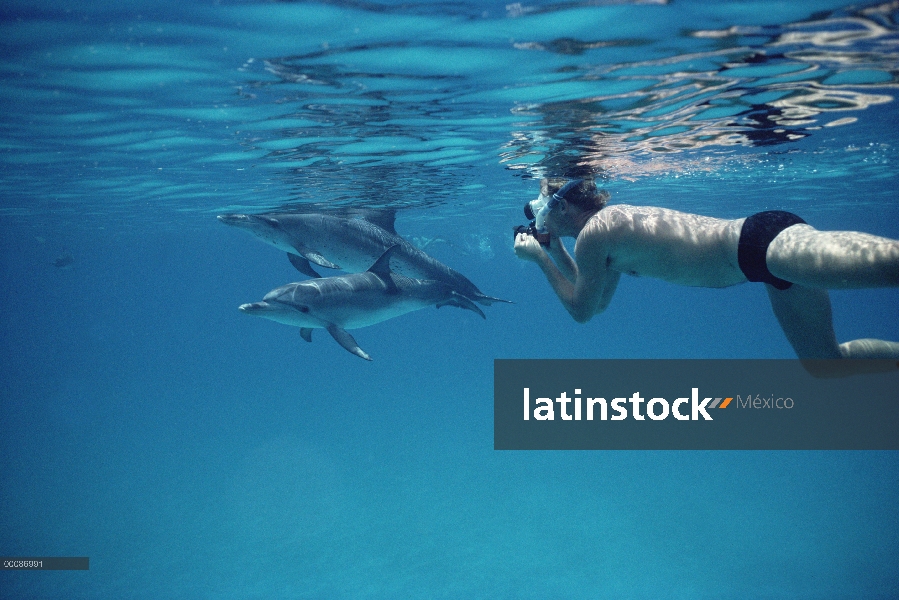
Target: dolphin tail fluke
x=306, y=333
x=302, y=265
x=346, y=340
x=462, y=302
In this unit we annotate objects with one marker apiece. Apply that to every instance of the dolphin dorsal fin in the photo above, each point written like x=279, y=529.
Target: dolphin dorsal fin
x=382, y=265
x=385, y=218
x=381, y=268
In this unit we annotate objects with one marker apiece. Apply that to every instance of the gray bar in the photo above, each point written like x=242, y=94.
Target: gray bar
x=45, y=563
x=774, y=405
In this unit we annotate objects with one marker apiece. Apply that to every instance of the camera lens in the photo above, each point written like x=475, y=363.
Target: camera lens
x=528, y=213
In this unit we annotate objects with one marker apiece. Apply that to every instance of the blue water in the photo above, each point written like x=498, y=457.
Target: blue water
x=193, y=452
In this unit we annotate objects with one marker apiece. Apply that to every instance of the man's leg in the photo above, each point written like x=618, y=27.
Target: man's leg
x=833, y=259
x=806, y=318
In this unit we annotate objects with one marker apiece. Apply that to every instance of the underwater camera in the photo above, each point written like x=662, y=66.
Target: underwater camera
x=531, y=229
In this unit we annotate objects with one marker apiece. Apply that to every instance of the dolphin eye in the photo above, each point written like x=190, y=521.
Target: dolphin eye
x=303, y=309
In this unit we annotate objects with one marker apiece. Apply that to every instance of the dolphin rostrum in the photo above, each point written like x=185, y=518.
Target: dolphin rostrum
x=349, y=244
x=352, y=301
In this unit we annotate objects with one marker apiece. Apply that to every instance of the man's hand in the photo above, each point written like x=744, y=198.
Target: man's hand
x=528, y=248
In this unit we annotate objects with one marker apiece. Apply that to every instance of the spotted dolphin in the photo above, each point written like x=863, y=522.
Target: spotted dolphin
x=350, y=244
x=355, y=300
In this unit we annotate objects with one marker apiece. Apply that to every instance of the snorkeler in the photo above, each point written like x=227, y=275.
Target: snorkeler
x=797, y=263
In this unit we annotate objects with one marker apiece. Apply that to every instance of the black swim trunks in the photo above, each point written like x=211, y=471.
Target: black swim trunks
x=755, y=236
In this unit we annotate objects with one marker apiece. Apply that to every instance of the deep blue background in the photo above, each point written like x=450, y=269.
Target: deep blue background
x=191, y=451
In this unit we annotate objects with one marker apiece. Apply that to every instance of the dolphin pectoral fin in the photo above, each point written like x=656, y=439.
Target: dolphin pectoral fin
x=314, y=257
x=306, y=333
x=346, y=340
x=320, y=260
x=462, y=302
x=302, y=265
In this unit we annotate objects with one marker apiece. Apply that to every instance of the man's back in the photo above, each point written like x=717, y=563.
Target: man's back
x=666, y=244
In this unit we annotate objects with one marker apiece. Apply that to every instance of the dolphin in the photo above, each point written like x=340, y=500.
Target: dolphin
x=350, y=244
x=356, y=300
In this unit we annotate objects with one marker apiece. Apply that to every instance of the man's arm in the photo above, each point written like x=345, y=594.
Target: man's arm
x=562, y=259
x=589, y=289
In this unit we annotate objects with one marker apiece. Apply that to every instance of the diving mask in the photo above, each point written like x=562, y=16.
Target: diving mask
x=538, y=209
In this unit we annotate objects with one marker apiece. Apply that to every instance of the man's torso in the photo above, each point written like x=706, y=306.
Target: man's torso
x=677, y=247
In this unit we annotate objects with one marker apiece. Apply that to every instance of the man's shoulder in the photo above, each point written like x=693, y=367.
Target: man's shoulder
x=610, y=219
x=600, y=229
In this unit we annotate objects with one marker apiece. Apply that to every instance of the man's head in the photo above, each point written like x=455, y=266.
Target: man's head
x=565, y=204
x=572, y=203
x=583, y=195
